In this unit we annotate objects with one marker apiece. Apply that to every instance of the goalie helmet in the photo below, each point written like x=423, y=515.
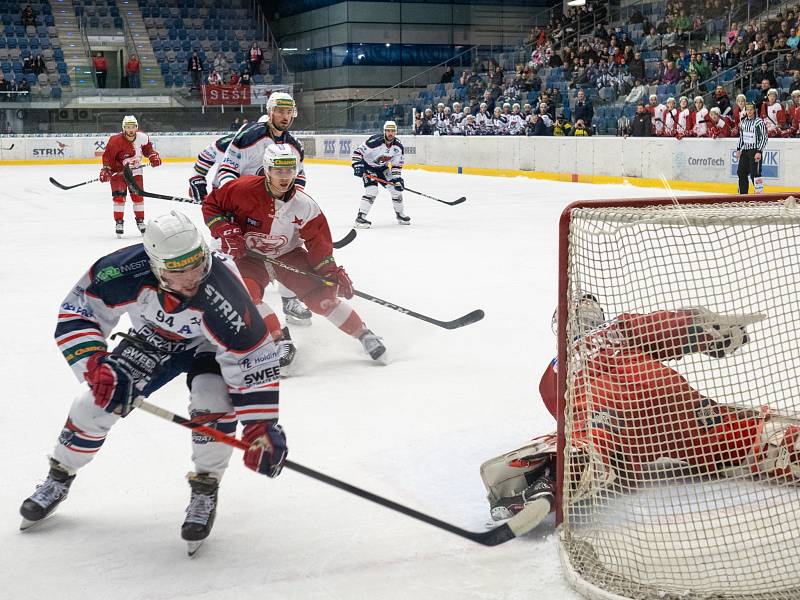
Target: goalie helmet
x=589, y=315
x=175, y=246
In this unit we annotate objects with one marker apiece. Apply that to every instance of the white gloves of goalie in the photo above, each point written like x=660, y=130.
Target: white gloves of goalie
x=724, y=334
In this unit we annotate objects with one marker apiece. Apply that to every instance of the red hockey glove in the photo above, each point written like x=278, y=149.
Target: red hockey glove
x=155, y=159
x=336, y=274
x=267, y=450
x=105, y=174
x=111, y=384
x=230, y=238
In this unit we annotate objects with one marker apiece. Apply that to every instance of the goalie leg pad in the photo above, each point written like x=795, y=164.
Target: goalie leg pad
x=512, y=472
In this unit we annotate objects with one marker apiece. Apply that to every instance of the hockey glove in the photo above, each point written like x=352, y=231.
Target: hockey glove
x=339, y=276
x=398, y=184
x=111, y=383
x=231, y=240
x=155, y=159
x=358, y=169
x=105, y=174
x=198, y=188
x=267, y=450
x=719, y=336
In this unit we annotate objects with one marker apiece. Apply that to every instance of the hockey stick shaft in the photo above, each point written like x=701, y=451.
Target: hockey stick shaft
x=137, y=189
x=467, y=319
x=389, y=183
x=520, y=524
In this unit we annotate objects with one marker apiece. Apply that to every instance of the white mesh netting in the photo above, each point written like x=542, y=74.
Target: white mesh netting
x=680, y=408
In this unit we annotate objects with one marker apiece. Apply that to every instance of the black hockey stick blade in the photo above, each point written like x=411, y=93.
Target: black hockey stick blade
x=459, y=201
x=11, y=147
x=468, y=319
x=519, y=524
x=351, y=235
x=137, y=189
x=69, y=187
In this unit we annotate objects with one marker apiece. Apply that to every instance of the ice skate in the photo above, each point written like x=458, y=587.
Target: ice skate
x=402, y=219
x=120, y=227
x=140, y=224
x=372, y=344
x=543, y=487
x=362, y=223
x=296, y=312
x=201, y=511
x=47, y=496
x=286, y=351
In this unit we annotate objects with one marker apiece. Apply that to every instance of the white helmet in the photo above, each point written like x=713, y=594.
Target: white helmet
x=390, y=126
x=279, y=155
x=282, y=100
x=130, y=120
x=173, y=243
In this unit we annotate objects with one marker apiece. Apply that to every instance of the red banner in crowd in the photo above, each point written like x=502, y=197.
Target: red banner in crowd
x=218, y=95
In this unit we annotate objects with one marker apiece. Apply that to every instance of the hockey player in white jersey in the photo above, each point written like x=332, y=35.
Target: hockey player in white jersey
x=189, y=313
x=245, y=156
x=483, y=120
x=516, y=124
x=207, y=160
x=381, y=156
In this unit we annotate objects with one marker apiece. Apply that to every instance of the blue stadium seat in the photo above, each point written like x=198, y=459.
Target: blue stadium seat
x=55, y=93
x=64, y=79
x=168, y=79
x=752, y=95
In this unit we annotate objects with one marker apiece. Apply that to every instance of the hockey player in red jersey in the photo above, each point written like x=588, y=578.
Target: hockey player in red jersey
x=627, y=398
x=266, y=214
x=127, y=148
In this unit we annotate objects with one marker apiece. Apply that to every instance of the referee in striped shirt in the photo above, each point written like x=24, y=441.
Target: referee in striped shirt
x=752, y=141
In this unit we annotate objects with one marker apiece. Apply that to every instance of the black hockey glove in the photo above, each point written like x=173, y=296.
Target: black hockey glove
x=358, y=169
x=398, y=183
x=198, y=189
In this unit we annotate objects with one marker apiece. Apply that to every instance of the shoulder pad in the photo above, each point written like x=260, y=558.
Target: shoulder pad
x=288, y=138
x=223, y=142
x=399, y=145
x=250, y=135
x=117, y=276
x=375, y=141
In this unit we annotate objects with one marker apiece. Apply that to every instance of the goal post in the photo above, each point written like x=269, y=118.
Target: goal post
x=685, y=489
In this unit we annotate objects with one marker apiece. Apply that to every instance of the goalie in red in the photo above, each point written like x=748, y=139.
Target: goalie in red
x=625, y=393
x=127, y=148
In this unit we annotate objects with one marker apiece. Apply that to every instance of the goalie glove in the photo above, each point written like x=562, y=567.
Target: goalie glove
x=717, y=335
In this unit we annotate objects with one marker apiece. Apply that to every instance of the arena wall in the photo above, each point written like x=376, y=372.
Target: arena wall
x=694, y=164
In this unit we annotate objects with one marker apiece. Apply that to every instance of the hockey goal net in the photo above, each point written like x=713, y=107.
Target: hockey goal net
x=663, y=493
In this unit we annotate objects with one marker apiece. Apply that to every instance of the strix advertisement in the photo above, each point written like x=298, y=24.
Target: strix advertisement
x=52, y=148
x=770, y=166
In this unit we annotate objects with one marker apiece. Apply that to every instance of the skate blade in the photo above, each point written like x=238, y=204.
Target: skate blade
x=361, y=226
x=295, y=321
x=119, y=236
x=27, y=525
x=404, y=222
x=382, y=360
x=193, y=547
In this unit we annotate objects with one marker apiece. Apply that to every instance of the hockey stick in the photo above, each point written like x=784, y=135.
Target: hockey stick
x=383, y=181
x=137, y=189
x=518, y=525
x=351, y=235
x=11, y=147
x=468, y=319
x=69, y=187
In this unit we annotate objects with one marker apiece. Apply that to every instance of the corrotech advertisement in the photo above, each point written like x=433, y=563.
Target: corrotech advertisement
x=216, y=95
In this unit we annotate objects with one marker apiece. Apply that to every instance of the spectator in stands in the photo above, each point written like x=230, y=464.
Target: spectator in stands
x=637, y=94
x=795, y=85
x=132, y=71
x=39, y=65
x=447, y=76
x=584, y=110
x=237, y=123
x=562, y=126
x=196, y=70
x=762, y=96
x=794, y=39
x=27, y=65
x=28, y=16
x=245, y=78
x=642, y=124
x=234, y=78
x=8, y=130
x=671, y=74
x=421, y=126
x=765, y=73
x=386, y=112
x=652, y=41
x=254, y=57
x=581, y=129
x=220, y=65
x=723, y=103
x=214, y=78
x=5, y=88
x=100, y=68
x=636, y=66
x=25, y=90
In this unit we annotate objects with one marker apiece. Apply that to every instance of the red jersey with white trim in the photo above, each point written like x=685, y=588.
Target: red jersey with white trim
x=121, y=151
x=271, y=227
x=635, y=410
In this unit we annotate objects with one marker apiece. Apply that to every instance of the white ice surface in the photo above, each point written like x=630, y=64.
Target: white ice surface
x=415, y=430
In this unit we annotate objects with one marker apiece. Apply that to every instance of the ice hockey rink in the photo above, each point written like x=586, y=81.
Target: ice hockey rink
x=415, y=430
